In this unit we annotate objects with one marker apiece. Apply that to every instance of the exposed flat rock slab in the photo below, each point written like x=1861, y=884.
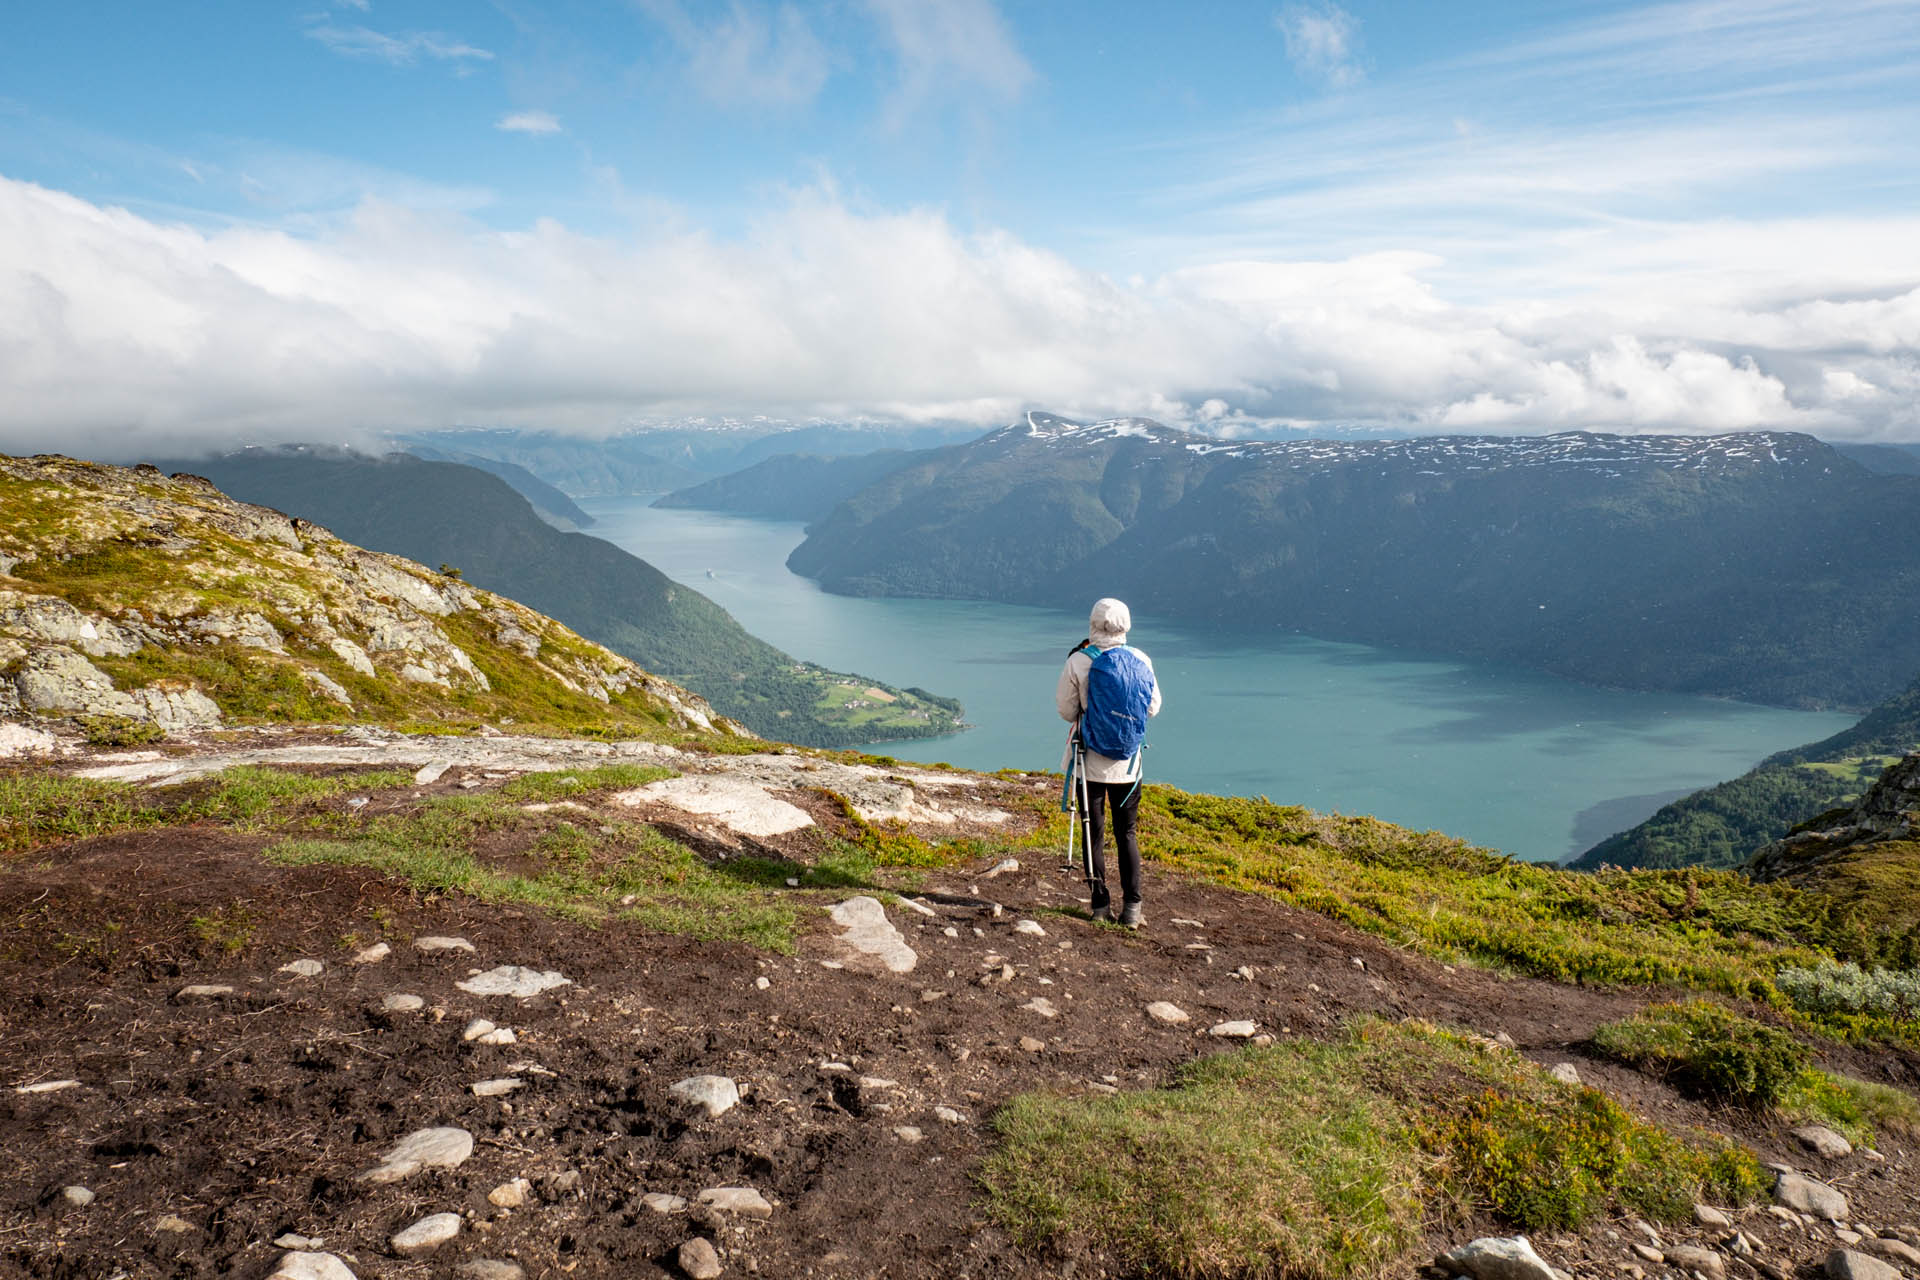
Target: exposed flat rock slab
x=368, y=747
x=741, y=806
x=514, y=980
x=868, y=936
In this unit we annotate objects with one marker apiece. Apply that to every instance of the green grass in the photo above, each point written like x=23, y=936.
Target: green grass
x=1705, y=930
x=1323, y=1159
x=42, y=808
x=580, y=874
x=249, y=797
x=1710, y=1050
x=568, y=784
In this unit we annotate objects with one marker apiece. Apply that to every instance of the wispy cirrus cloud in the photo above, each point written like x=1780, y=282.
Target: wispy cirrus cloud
x=958, y=48
x=399, y=50
x=534, y=122
x=1322, y=42
x=752, y=54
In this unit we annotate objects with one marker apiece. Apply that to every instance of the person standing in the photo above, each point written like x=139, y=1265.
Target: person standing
x=1127, y=684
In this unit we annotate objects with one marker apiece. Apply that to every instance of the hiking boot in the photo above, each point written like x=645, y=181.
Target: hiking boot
x=1132, y=916
x=1102, y=914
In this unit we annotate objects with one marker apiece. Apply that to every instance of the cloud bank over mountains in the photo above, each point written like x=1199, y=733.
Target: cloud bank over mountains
x=121, y=335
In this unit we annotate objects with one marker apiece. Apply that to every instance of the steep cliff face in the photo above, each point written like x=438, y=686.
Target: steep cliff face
x=126, y=594
x=1866, y=856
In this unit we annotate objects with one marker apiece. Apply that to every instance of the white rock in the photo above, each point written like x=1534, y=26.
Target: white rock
x=762, y=982
x=716, y=1095
x=372, y=955
x=1708, y=1216
x=1042, y=1006
x=510, y=1195
x=77, y=1196
x=428, y=773
x=907, y=1133
x=1565, y=1073
x=203, y=991
x=426, y=1235
x=1001, y=868
x=867, y=933
x=490, y=1269
x=495, y=1088
x=1031, y=927
x=514, y=980
x=437, y=943
x=442, y=1148
x=947, y=1115
x=402, y=1002
x=1845, y=1264
x=477, y=1028
x=1823, y=1142
x=1240, y=1029
x=1692, y=1258
x=1804, y=1195
x=737, y=804
x=661, y=1202
x=1500, y=1258
x=742, y=1200
x=1167, y=1012
x=498, y=1036
x=699, y=1259
x=294, y=1240
x=302, y=968
x=304, y=1264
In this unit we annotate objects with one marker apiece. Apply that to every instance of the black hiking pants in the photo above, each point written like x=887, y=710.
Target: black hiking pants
x=1124, y=797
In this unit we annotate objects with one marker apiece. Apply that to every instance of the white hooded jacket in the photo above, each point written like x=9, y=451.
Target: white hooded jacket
x=1108, y=627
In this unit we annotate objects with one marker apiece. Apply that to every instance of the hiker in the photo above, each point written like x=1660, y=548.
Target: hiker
x=1124, y=693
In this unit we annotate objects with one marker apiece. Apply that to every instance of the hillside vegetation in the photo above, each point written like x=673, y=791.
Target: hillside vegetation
x=446, y=514
x=1763, y=566
x=1722, y=825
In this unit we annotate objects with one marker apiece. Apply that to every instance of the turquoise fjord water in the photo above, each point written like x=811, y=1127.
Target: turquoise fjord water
x=1518, y=761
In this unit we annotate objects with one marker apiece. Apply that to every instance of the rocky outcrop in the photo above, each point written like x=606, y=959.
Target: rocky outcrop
x=1888, y=812
x=121, y=589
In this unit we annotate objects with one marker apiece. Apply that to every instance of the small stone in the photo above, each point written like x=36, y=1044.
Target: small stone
x=1647, y=1253
x=302, y=968
x=1498, y=1258
x=1031, y=1045
x=762, y=982
x=947, y=1115
x=401, y=1002
x=662, y=1203
x=372, y=955
x=1845, y=1236
x=1001, y=868
x=1357, y=962
x=443, y=1148
x=1689, y=1257
x=1166, y=1012
x=427, y=774
x=77, y=1196
x=867, y=936
x=510, y=1195
x=1565, y=1073
x=303, y=1264
x=437, y=943
x=1030, y=927
x=741, y=1200
x=477, y=1028
x=1708, y=1216
x=699, y=1259
x=490, y=1269
x=950, y=932
x=203, y=991
x=561, y=1183
x=878, y=1082
x=498, y=1036
x=426, y=1235
x=1846, y=1264
x=716, y=1095
x=907, y=1133
x=514, y=980
x=496, y=1088
x=1823, y=1142
x=1804, y=1195
x=48, y=1086
x=172, y=1224
x=1241, y=1029
x=1042, y=1006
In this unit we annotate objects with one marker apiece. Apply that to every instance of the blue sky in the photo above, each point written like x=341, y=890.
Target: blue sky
x=260, y=221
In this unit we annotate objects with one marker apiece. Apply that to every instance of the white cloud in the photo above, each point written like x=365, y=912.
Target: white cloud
x=538, y=122
x=959, y=48
x=121, y=335
x=1322, y=42
x=398, y=50
x=749, y=55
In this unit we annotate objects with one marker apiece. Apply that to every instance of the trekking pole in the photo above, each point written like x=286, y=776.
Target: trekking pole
x=1086, y=827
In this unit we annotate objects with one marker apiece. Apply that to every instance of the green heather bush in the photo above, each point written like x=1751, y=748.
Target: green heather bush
x=1708, y=1049
x=1830, y=988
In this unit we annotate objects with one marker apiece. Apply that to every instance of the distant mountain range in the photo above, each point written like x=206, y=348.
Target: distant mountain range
x=1722, y=825
x=441, y=513
x=1764, y=565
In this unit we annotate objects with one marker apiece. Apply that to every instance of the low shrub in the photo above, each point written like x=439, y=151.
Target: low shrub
x=1708, y=1049
x=1849, y=989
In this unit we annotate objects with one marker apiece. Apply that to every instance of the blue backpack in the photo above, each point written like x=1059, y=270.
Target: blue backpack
x=1119, y=699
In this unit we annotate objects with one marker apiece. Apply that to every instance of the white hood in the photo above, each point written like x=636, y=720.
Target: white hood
x=1109, y=623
